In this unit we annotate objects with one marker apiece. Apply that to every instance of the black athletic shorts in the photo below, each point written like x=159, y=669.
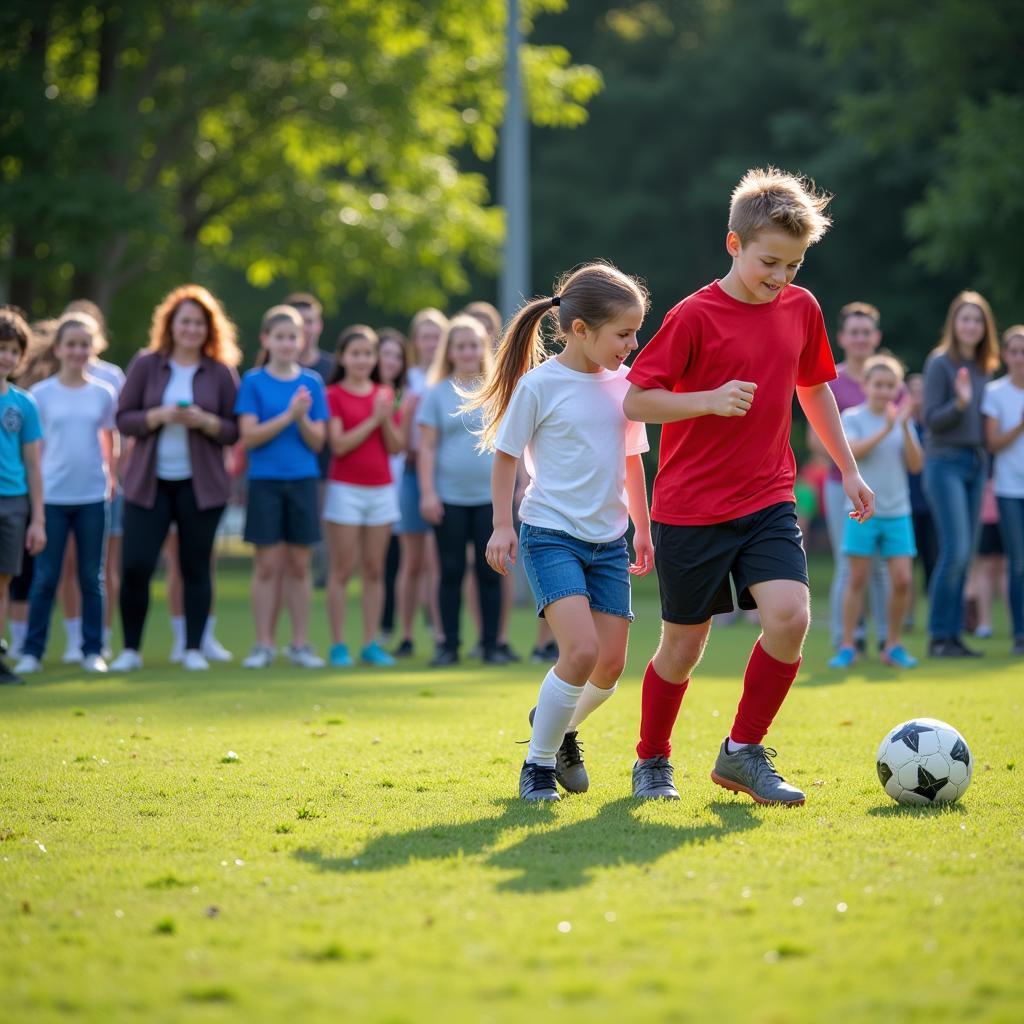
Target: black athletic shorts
x=695, y=563
x=283, y=511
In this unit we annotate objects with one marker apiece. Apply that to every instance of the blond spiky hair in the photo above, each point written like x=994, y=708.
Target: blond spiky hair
x=768, y=199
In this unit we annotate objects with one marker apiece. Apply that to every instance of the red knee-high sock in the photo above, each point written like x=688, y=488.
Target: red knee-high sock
x=765, y=685
x=659, y=706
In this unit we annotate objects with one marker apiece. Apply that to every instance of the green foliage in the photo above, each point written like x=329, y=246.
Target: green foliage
x=317, y=143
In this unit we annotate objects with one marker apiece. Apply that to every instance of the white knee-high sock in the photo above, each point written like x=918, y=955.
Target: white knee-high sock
x=555, y=704
x=591, y=698
x=18, y=631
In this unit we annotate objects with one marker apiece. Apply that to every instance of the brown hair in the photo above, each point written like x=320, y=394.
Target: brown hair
x=594, y=293
x=395, y=335
x=14, y=327
x=884, y=361
x=484, y=311
x=429, y=315
x=442, y=367
x=987, y=354
x=220, y=341
x=347, y=336
x=304, y=300
x=858, y=309
x=278, y=314
x=768, y=199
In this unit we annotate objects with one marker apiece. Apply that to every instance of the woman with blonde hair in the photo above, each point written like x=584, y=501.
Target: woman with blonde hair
x=178, y=404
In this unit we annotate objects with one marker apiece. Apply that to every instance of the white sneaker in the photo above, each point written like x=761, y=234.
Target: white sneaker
x=127, y=661
x=72, y=656
x=27, y=664
x=214, y=650
x=177, y=655
x=94, y=663
x=259, y=657
x=106, y=653
x=305, y=657
x=194, y=662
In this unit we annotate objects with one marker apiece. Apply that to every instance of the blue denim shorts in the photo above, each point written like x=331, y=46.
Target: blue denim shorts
x=559, y=565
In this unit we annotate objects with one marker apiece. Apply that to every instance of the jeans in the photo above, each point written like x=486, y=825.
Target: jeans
x=88, y=523
x=1011, y=526
x=145, y=530
x=462, y=525
x=953, y=484
x=878, y=584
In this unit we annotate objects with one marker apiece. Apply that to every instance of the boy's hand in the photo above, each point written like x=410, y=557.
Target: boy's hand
x=861, y=495
x=732, y=399
x=644, y=548
x=35, y=538
x=501, y=549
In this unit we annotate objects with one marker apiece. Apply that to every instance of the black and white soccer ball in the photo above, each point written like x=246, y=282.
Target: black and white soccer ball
x=924, y=761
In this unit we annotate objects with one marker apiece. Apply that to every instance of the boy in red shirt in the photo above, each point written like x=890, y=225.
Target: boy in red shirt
x=720, y=375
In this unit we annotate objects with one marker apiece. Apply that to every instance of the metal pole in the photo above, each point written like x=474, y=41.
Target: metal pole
x=514, y=177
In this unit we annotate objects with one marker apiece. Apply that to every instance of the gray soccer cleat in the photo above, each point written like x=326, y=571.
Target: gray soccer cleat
x=653, y=779
x=537, y=783
x=570, y=770
x=750, y=770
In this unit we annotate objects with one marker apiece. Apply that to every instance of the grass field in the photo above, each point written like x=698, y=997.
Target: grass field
x=362, y=858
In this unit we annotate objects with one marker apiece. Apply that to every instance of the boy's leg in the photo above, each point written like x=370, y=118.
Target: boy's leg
x=853, y=600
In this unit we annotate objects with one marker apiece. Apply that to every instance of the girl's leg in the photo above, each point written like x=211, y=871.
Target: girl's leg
x=431, y=585
x=407, y=586
x=948, y=494
x=49, y=563
x=145, y=530
x=267, y=569
x=71, y=601
x=1011, y=526
x=612, y=635
x=488, y=582
x=175, y=589
x=901, y=578
x=508, y=601
x=469, y=590
x=343, y=550
x=835, y=522
x=452, y=534
x=391, y=563
x=89, y=526
x=374, y=549
x=853, y=601
x=197, y=530
x=878, y=600
x=299, y=591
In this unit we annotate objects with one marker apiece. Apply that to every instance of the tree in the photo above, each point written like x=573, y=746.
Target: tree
x=148, y=142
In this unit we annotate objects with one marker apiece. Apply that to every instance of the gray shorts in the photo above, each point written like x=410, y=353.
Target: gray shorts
x=14, y=516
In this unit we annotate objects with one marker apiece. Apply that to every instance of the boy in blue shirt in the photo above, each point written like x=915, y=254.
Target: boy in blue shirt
x=22, y=524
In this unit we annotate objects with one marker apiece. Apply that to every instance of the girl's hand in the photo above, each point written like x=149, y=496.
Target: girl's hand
x=644, y=548
x=501, y=549
x=431, y=508
x=905, y=411
x=408, y=407
x=962, y=387
x=861, y=495
x=383, y=403
x=892, y=414
x=301, y=402
x=35, y=538
x=732, y=399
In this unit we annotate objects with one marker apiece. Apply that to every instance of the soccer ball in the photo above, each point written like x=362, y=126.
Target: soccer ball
x=924, y=761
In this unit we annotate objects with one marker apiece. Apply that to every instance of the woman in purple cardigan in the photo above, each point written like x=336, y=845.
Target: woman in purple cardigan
x=177, y=406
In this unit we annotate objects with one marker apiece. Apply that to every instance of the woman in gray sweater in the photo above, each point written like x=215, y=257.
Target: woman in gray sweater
x=954, y=466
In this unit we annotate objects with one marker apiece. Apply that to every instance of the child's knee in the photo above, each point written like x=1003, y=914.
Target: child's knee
x=578, y=657
x=609, y=666
x=789, y=621
x=680, y=653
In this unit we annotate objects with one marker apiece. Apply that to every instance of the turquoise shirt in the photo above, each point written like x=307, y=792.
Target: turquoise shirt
x=19, y=425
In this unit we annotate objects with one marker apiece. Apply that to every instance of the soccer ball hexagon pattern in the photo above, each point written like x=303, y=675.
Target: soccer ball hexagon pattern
x=924, y=761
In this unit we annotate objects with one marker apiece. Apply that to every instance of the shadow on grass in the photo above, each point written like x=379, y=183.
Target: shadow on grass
x=544, y=860
x=917, y=811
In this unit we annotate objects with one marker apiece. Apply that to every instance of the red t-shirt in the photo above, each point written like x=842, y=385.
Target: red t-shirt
x=715, y=468
x=366, y=465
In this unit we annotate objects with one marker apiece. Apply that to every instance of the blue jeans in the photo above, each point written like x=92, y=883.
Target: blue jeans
x=88, y=523
x=1011, y=526
x=953, y=484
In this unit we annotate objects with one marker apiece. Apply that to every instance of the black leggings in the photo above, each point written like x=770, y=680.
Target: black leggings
x=145, y=530
x=464, y=524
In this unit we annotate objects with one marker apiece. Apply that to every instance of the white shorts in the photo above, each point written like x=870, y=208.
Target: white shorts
x=356, y=505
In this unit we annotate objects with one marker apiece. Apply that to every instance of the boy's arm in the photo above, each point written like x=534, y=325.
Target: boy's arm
x=636, y=499
x=658, y=405
x=35, y=536
x=255, y=434
x=314, y=432
x=819, y=406
x=501, y=548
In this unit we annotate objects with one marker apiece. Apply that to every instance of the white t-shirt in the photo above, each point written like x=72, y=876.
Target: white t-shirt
x=571, y=428
x=74, y=472
x=1004, y=402
x=109, y=373
x=173, y=461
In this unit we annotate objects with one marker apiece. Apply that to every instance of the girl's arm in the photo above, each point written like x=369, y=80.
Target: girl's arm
x=406, y=415
x=912, y=454
x=108, y=448
x=431, y=507
x=255, y=434
x=940, y=410
x=656, y=405
x=35, y=536
x=995, y=439
x=314, y=432
x=636, y=498
x=503, y=545
x=395, y=439
x=343, y=441
x=861, y=446
x=819, y=406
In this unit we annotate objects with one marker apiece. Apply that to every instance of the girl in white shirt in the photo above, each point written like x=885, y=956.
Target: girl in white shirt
x=77, y=412
x=564, y=415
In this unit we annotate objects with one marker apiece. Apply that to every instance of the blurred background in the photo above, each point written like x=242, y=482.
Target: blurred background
x=351, y=147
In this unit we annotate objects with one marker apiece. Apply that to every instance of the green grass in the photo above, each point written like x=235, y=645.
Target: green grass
x=363, y=858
